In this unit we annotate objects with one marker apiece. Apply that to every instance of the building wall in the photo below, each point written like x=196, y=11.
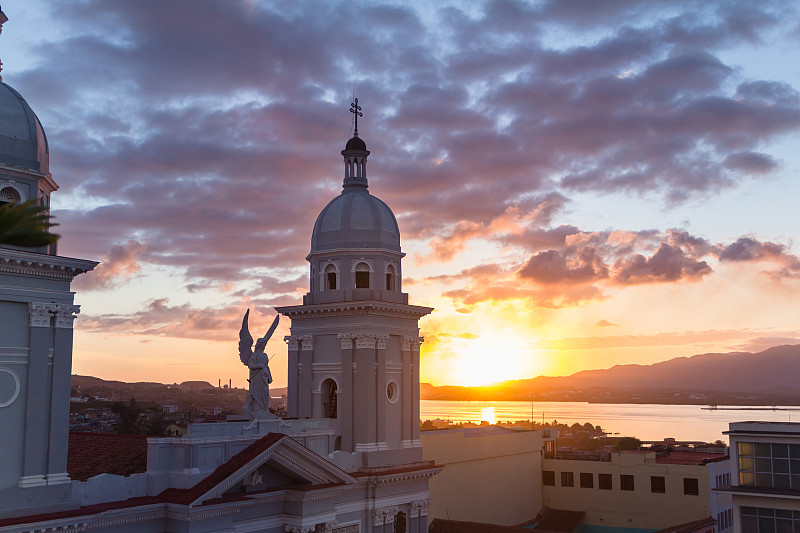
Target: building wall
x=494, y=477
x=637, y=508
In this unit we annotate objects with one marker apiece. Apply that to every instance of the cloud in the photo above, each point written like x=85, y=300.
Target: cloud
x=605, y=324
x=118, y=266
x=668, y=264
x=749, y=249
x=551, y=267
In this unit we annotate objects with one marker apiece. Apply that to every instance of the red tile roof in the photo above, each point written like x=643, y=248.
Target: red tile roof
x=698, y=526
x=91, y=454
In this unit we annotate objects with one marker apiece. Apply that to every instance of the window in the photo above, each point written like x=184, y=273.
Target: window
x=390, y=278
x=567, y=479
x=9, y=195
x=658, y=485
x=400, y=522
x=768, y=465
x=330, y=278
x=625, y=482
x=587, y=480
x=604, y=481
x=362, y=276
x=763, y=519
x=690, y=486
x=549, y=478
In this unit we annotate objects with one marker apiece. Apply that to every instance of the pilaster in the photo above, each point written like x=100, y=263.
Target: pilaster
x=407, y=399
x=345, y=395
x=306, y=376
x=364, y=388
x=60, y=391
x=380, y=391
x=416, y=442
x=292, y=394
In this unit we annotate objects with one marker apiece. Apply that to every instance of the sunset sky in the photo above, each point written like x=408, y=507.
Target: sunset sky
x=578, y=183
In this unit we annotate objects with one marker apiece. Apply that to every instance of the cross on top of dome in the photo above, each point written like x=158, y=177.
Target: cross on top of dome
x=356, y=110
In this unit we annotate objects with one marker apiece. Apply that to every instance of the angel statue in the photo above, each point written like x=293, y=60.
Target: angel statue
x=257, y=404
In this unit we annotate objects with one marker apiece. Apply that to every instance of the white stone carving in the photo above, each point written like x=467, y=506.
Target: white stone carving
x=419, y=508
x=299, y=529
x=406, y=343
x=254, y=478
x=14, y=395
x=307, y=342
x=346, y=339
x=365, y=340
x=66, y=314
x=382, y=340
x=385, y=515
x=41, y=313
x=293, y=342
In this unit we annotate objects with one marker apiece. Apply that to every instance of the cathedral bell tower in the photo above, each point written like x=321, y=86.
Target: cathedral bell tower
x=354, y=343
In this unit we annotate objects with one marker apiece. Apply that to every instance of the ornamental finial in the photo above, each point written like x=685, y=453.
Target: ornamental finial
x=356, y=110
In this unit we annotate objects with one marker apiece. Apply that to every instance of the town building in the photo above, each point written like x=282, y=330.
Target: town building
x=348, y=459
x=765, y=476
x=641, y=490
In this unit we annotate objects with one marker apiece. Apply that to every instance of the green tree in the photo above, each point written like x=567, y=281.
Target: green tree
x=628, y=443
x=26, y=224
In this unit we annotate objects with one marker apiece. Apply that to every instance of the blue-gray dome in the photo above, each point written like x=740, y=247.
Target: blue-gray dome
x=22, y=139
x=355, y=219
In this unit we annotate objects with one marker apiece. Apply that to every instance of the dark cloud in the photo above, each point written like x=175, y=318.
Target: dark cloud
x=749, y=249
x=212, y=132
x=669, y=263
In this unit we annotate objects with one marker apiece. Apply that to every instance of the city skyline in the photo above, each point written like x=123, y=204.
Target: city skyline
x=576, y=187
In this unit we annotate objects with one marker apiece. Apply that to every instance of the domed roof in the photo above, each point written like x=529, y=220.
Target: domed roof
x=355, y=219
x=22, y=139
x=356, y=143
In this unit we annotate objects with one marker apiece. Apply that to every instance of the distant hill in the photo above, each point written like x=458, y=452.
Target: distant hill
x=771, y=375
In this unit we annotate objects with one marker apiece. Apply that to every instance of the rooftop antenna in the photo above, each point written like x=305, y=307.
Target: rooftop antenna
x=355, y=109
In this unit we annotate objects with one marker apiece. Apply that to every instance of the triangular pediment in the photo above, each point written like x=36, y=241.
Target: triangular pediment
x=271, y=461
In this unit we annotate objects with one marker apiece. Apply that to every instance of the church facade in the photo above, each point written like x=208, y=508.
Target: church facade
x=347, y=459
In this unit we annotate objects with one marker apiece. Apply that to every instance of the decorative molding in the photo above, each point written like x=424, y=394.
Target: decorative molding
x=415, y=344
x=293, y=342
x=17, y=387
x=346, y=340
x=58, y=479
x=365, y=340
x=382, y=340
x=419, y=508
x=66, y=314
x=40, y=314
x=300, y=312
x=31, y=481
x=307, y=342
x=406, y=343
x=43, y=265
x=384, y=515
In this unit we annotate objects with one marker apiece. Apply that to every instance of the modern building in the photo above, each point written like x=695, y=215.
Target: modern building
x=491, y=474
x=638, y=490
x=347, y=460
x=765, y=480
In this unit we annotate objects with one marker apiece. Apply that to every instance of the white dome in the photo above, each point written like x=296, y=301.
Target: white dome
x=355, y=219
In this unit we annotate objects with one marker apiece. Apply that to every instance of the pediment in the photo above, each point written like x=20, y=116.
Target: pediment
x=272, y=461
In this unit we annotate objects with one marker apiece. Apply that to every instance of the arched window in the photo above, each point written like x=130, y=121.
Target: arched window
x=329, y=400
x=330, y=278
x=400, y=522
x=9, y=195
x=362, y=276
x=390, y=278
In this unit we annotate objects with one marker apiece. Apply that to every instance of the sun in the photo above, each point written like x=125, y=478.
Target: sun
x=496, y=355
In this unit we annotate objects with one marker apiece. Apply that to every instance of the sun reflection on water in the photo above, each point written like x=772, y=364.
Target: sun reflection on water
x=487, y=414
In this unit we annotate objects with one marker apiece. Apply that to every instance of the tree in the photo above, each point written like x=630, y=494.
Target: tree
x=26, y=224
x=628, y=443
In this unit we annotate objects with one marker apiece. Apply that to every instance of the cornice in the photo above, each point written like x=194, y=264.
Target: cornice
x=43, y=265
x=361, y=252
x=362, y=307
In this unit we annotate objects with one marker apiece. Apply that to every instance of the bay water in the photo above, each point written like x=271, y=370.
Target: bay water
x=643, y=421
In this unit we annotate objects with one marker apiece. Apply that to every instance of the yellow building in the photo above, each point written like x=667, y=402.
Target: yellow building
x=632, y=489
x=491, y=474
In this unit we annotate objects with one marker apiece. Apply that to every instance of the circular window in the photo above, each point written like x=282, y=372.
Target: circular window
x=392, y=392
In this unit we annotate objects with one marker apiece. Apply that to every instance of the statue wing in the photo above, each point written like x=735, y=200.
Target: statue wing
x=245, y=340
x=272, y=327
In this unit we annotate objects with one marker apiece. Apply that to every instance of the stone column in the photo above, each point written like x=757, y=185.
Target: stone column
x=59, y=400
x=415, y=392
x=344, y=400
x=418, y=521
x=381, y=418
x=306, y=376
x=364, y=420
x=37, y=395
x=406, y=438
x=293, y=385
